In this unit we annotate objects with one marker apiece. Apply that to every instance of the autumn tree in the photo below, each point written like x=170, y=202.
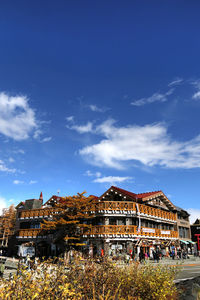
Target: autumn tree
x=7, y=225
x=72, y=220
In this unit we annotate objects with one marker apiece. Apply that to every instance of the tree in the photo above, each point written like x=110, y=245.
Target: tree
x=7, y=225
x=72, y=221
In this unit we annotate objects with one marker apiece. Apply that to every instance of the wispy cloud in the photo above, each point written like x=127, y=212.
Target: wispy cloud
x=92, y=174
x=70, y=118
x=149, y=145
x=156, y=97
x=176, y=81
x=18, y=182
x=17, y=118
x=111, y=179
x=19, y=151
x=82, y=128
x=196, y=96
x=46, y=139
x=196, y=84
x=11, y=160
x=194, y=214
x=32, y=181
x=95, y=108
x=3, y=204
x=4, y=168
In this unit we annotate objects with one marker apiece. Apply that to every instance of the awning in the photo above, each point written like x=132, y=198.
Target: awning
x=185, y=242
x=191, y=242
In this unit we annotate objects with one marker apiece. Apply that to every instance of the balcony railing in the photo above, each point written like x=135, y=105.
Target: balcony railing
x=29, y=233
x=156, y=212
x=129, y=207
x=103, y=207
x=130, y=230
x=104, y=230
x=39, y=213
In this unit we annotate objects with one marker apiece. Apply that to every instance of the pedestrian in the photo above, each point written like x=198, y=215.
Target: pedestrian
x=157, y=256
x=173, y=254
x=28, y=261
x=141, y=256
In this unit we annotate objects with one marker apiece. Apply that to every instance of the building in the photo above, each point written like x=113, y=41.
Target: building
x=184, y=231
x=195, y=232
x=29, y=236
x=123, y=222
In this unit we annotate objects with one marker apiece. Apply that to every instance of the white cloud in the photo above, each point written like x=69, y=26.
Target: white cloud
x=3, y=168
x=32, y=181
x=111, y=179
x=70, y=118
x=17, y=119
x=37, y=134
x=82, y=128
x=150, y=145
x=156, y=97
x=46, y=139
x=20, y=151
x=177, y=81
x=18, y=182
x=92, y=174
x=194, y=214
x=196, y=84
x=95, y=108
x=196, y=96
x=3, y=204
x=11, y=160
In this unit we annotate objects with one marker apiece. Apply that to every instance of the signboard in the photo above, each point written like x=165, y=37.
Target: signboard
x=149, y=230
x=165, y=232
x=24, y=251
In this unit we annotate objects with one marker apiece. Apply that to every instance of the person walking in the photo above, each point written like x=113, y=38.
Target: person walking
x=141, y=256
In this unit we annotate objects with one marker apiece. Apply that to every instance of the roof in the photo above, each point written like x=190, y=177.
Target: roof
x=143, y=196
x=130, y=194
x=148, y=194
x=181, y=210
x=136, y=196
x=54, y=197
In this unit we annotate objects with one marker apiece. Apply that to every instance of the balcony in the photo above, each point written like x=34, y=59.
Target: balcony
x=103, y=230
x=38, y=213
x=114, y=230
x=130, y=207
x=28, y=233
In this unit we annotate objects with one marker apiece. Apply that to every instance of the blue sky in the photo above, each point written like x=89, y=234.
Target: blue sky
x=98, y=93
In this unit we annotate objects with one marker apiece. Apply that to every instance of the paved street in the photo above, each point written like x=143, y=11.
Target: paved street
x=189, y=271
x=189, y=268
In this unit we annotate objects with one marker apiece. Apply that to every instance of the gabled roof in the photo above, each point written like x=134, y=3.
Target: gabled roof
x=143, y=196
x=54, y=199
x=20, y=204
x=148, y=194
x=127, y=193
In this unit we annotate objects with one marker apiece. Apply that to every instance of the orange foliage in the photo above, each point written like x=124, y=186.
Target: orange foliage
x=71, y=222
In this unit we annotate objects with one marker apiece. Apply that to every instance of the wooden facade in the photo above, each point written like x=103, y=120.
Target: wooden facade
x=119, y=217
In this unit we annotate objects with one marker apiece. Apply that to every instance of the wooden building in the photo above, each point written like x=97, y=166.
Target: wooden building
x=123, y=221
x=126, y=221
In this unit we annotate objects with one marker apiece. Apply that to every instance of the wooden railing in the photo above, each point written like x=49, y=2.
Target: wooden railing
x=33, y=233
x=103, y=206
x=156, y=212
x=131, y=229
x=110, y=230
x=39, y=213
x=131, y=206
x=113, y=205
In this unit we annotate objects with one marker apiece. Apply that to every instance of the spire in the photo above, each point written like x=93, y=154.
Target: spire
x=41, y=196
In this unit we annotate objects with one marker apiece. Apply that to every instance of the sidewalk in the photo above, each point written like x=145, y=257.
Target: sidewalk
x=170, y=261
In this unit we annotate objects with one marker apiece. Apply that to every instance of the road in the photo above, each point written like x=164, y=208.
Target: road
x=189, y=271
